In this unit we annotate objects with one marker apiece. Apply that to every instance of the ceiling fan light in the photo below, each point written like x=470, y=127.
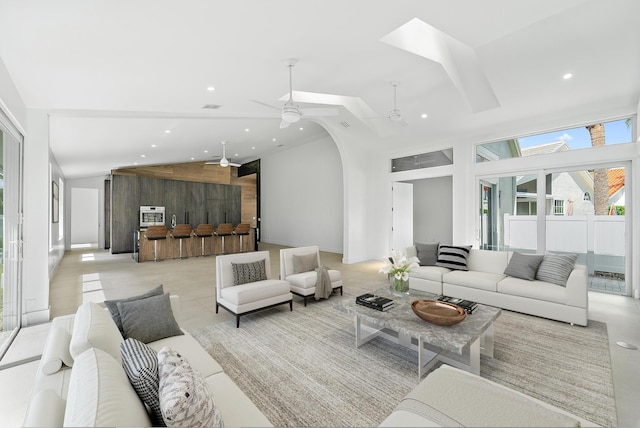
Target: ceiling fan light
x=290, y=116
x=224, y=162
x=395, y=116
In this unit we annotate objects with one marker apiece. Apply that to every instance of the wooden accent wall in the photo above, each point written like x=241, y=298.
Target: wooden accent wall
x=203, y=193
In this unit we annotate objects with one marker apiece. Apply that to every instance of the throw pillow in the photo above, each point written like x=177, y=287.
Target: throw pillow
x=248, y=272
x=94, y=328
x=149, y=319
x=112, y=305
x=556, y=268
x=305, y=263
x=140, y=362
x=185, y=397
x=453, y=257
x=523, y=266
x=427, y=253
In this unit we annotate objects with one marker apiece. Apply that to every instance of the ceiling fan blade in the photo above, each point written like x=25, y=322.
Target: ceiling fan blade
x=266, y=105
x=320, y=111
x=284, y=124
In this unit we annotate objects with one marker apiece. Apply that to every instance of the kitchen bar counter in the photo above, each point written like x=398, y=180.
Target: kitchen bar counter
x=169, y=248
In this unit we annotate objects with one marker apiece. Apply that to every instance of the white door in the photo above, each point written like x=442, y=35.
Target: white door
x=84, y=216
x=402, y=213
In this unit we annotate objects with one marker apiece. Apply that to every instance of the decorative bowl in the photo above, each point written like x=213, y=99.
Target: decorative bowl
x=439, y=313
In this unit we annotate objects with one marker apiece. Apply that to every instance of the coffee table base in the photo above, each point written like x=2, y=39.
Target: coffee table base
x=429, y=355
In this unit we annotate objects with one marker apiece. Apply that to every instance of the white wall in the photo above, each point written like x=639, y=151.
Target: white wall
x=56, y=242
x=433, y=210
x=301, y=196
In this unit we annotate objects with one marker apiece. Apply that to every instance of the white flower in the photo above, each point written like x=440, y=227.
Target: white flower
x=399, y=265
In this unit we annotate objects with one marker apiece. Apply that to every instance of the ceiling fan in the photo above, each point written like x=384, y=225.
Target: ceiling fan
x=291, y=112
x=394, y=115
x=223, y=162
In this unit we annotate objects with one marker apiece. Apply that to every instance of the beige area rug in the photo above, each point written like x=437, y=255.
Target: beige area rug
x=301, y=368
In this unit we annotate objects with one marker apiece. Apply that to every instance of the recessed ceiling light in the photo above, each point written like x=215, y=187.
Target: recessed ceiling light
x=206, y=151
x=273, y=139
x=192, y=158
x=144, y=156
x=211, y=88
x=246, y=129
x=135, y=163
x=167, y=131
x=301, y=128
x=253, y=148
x=567, y=76
x=424, y=115
x=153, y=145
x=236, y=155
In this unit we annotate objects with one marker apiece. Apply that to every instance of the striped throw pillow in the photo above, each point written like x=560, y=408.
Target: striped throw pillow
x=248, y=272
x=453, y=257
x=556, y=268
x=140, y=362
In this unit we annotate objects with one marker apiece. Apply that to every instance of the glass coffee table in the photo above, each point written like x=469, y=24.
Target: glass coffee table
x=459, y=345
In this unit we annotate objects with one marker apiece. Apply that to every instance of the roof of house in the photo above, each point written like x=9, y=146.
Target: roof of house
x=543, y=149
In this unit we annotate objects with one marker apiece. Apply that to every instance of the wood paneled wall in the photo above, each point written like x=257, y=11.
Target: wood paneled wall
x=194, y=192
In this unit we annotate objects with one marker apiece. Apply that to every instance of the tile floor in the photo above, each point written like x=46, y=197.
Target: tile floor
x=92, y=274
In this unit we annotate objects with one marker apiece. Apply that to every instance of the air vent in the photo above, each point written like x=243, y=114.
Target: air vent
x=212, y=106
x=423, y=160
x=345, y=124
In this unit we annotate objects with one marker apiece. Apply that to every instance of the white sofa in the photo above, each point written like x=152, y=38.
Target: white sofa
x=485, y=282
x=253, y=296
x=93, y=389
x=452, y=397
x=304, y=283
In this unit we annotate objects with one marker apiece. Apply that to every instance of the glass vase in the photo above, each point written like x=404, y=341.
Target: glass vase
x=398, y=287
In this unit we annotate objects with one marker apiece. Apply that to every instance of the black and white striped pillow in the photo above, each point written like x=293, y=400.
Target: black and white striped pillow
x=556, y=268
x=140, y=362
x=453, y=257
x=248, y=272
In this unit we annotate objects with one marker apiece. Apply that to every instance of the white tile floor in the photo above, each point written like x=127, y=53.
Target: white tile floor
x=92, y=274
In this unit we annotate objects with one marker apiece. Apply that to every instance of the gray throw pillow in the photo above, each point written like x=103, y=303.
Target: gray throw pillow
x=305, y=263
x=556, y=268
x=140, y=362
x=149, y=319
x=112, y=305
x=453, y=257
x=244, y=273
x=523, y=266
x=427, y=253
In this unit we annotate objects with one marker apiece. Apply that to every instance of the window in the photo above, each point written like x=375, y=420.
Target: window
x=599, y=134
x=558, y=207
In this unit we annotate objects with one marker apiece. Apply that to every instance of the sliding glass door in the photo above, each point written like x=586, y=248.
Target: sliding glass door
x=11, y=230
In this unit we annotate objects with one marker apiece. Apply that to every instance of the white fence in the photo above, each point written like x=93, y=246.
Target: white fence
x=602, y=236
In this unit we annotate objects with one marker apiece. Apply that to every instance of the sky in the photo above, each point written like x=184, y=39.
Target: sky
x=578, y=138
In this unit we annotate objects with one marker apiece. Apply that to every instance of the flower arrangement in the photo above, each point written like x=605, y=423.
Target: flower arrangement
x=398, y=268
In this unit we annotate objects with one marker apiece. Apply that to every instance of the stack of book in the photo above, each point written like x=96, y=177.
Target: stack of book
x=374, y=302
x=467, y=305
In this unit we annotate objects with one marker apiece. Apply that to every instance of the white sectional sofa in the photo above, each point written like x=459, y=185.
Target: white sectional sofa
x=93, y=389
x=485, y=282
x=450, y=397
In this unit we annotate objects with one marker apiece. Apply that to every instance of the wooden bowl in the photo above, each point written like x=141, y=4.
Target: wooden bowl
x=439, y=313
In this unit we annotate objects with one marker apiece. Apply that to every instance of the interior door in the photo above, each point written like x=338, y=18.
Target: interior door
x=402, y=216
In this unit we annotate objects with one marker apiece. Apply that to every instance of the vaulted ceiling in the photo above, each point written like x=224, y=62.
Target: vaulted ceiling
x=116, y=76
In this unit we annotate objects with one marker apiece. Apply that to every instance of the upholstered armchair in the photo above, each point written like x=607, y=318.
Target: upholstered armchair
x=243, y=284
x=298, y=266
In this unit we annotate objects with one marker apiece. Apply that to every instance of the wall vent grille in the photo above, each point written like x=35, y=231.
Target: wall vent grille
x=423, y=160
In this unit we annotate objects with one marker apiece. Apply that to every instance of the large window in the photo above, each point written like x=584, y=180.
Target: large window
x=599, y=134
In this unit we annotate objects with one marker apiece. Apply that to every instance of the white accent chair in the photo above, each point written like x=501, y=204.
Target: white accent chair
x=304, y=283
x=247, y=298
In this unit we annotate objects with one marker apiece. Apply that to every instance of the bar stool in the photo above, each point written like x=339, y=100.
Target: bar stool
x=181, y=231
x=224, y=229
x=155, y=233
x=203, y=231
x=240, y=230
